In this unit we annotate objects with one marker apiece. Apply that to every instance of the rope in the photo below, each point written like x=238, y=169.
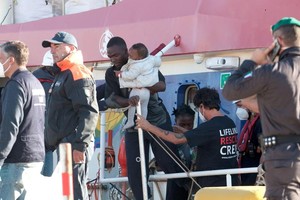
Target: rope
x=111, y=158
x=178, y=161
x=119, y=191
x=260, y=179
x=118, y=110
x=93, y=187
x=10, y=7
x=115, y=110
x=162, y=144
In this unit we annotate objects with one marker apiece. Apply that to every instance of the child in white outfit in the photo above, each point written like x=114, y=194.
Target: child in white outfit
x=140, y=72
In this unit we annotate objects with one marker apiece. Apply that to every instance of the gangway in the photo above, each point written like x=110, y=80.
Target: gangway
x=159, y=177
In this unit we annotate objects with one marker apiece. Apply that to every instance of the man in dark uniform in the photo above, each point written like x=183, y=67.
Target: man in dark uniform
x=277, y=86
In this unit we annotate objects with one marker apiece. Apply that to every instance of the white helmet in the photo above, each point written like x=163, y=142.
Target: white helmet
x=48, y=59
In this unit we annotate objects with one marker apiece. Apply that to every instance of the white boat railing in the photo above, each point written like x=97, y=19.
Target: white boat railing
x=162, y=177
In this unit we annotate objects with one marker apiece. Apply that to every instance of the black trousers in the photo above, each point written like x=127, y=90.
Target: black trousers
x=282, y=172
x=175, y=188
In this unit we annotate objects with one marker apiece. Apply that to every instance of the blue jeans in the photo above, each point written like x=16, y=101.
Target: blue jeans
x=16, y=179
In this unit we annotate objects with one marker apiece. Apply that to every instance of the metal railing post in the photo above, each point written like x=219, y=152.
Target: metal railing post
x=102, y=150
x=142, y=157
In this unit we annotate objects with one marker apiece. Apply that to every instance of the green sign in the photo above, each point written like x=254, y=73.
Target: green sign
x=223, y=79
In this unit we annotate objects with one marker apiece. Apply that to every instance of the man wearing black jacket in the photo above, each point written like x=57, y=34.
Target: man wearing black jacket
x=277, y=87
x=22, y=108
x=72, y=109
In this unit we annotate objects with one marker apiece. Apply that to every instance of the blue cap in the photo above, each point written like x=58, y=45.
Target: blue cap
x=59, y=38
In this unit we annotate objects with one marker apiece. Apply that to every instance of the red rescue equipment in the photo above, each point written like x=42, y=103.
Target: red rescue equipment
x=109, y=152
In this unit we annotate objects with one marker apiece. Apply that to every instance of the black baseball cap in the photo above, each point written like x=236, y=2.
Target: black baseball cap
x=59, y=38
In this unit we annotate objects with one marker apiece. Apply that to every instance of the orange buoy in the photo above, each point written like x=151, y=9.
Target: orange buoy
x=122, y=163
x=109, y=152
x=122, y=157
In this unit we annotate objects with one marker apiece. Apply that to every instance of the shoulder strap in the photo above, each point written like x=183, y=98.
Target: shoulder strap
x=251, y=126
x=246, y=134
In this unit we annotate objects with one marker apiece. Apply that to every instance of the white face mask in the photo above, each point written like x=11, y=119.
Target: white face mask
x=242, y=113
x=2, y=72
x=201, y=117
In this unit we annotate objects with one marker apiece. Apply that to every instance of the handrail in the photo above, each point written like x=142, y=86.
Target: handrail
x=162, y=177
x=142, y=156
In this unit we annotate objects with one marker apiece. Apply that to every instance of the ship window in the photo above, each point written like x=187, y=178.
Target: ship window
x=186, y=94
x=190, y=93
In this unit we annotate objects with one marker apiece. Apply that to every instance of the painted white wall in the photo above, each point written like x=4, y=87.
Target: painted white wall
x=77, y=6
x=26, y=11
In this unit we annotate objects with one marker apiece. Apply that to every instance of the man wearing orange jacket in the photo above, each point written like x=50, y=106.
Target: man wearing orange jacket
x=72, y=110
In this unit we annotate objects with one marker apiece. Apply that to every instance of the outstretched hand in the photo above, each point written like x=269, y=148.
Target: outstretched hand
x=134, y=100
x=179, y=129
x=260, y=56
x=142, y=123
